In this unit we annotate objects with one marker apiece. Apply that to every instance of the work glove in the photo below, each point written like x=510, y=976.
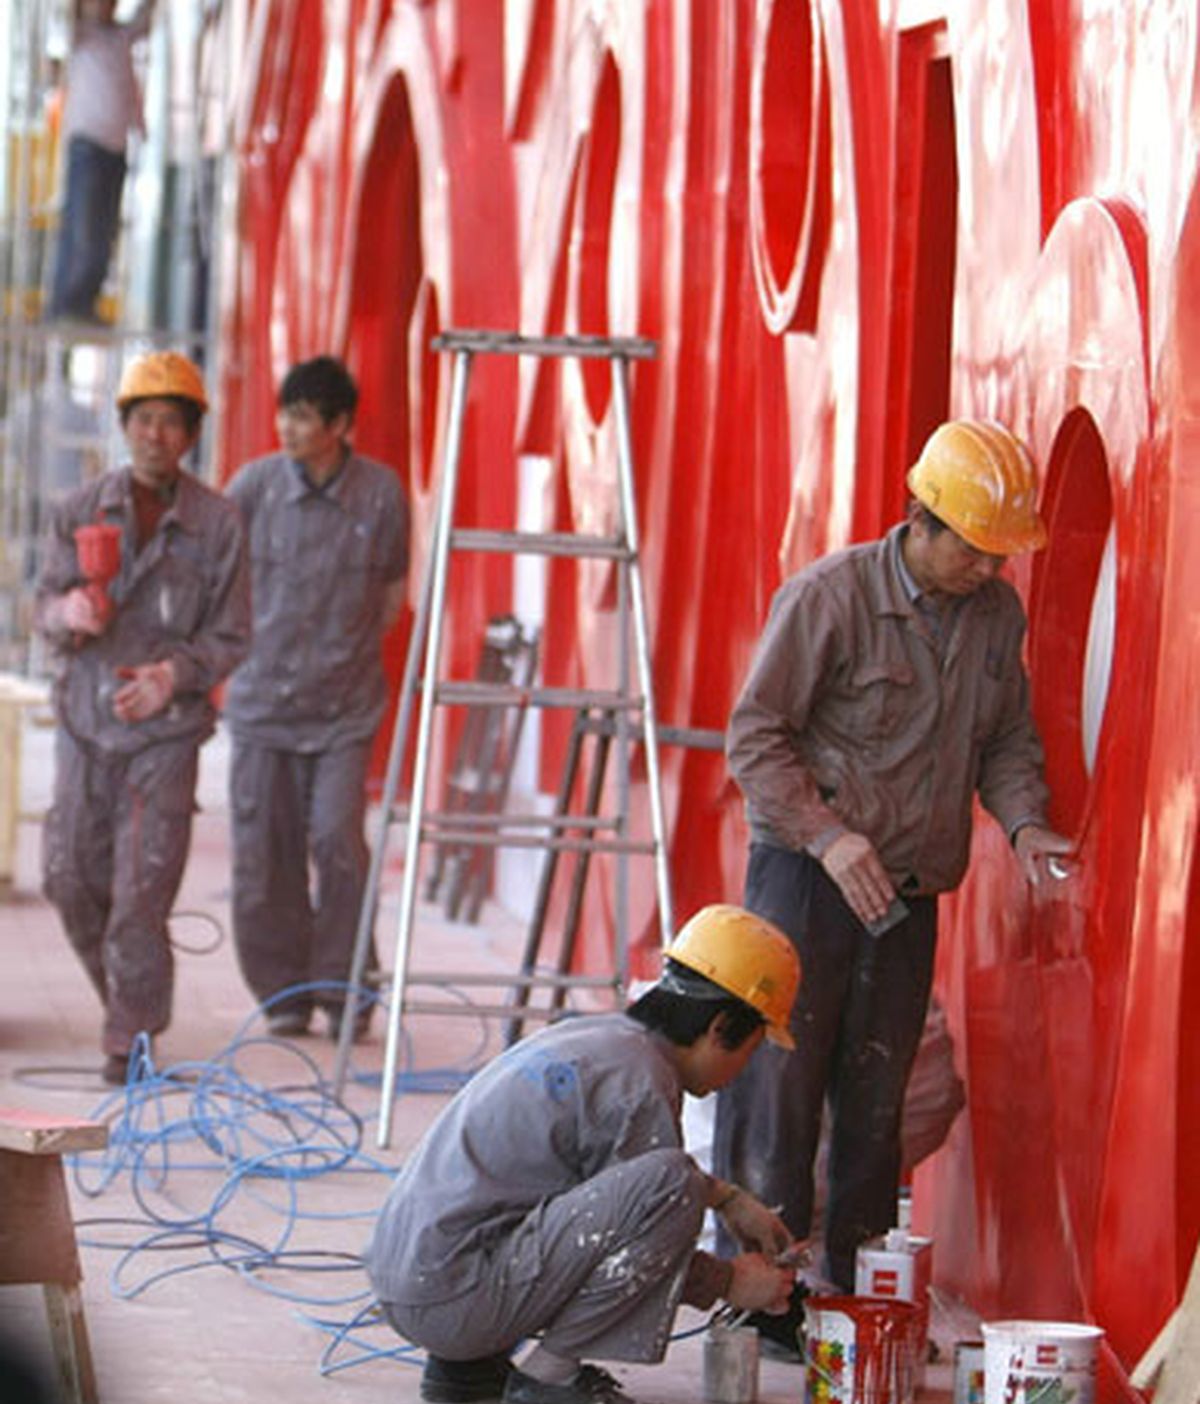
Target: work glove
x=77, y=611
x=757, y=1284
x=145, y=692
x=754, y=1225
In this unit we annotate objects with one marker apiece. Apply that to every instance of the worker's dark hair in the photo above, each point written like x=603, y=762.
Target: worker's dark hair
x=683, y=1017
x=933, y=524
x=325, y=383
x=191, y=411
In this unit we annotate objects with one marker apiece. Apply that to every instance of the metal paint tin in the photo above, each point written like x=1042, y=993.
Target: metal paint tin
x=731, y=1365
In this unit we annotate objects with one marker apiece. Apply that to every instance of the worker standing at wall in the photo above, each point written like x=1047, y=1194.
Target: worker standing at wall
x=328, y=535
x=137, y=659
x=553, y=1196
x=887, y=690
x=103, y=107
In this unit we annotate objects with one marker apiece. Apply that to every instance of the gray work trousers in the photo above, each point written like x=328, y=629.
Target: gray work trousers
x=114, y=846
x=857, y=1021
x=290, y=808
x=613, y=1255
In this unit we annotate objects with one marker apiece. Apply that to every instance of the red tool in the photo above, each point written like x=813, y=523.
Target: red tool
x=99, y=549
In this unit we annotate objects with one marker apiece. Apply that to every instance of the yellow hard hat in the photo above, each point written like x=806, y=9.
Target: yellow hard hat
x=979, y=479
x=160, y=374
x=746, y=955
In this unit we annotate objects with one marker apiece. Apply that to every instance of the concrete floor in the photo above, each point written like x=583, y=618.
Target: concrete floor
x=168, y=1321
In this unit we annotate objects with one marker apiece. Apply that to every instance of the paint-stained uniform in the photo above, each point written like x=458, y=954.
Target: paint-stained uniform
x=116, y=838
x=552, y=1195
x=303, y=710
x=863, y=711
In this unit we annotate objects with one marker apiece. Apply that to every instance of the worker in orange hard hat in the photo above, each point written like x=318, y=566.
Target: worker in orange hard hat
x=887, y=691
x=553, y=1198
x=144, y=598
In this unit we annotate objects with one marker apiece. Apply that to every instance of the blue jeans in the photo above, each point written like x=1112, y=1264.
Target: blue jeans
x=91, y=212
x=857, y=1022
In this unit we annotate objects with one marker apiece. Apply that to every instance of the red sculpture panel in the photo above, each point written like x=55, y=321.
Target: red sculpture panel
x=840, y=230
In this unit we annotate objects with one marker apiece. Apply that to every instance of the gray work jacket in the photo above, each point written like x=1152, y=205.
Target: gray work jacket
x=185, y=596
x=322, y=559
x=852, y=715
x=546, y=1116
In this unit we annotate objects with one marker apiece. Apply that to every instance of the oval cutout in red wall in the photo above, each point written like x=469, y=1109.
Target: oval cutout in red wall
x=1073, y=624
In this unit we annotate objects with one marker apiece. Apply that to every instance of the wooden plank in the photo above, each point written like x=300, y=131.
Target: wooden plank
x=35, y=1133
x=37, y=1233
x=72, y=1350
x=1179, y=1379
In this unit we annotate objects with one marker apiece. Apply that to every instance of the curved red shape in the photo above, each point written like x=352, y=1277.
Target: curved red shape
x=841, y=229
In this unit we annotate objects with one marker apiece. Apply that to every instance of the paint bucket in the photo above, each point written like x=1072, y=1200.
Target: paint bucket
x=731, y=1364
x=860, y=1350
x=1040, y=1362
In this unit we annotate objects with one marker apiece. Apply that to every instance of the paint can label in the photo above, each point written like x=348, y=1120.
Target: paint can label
x=859, y=1351
x=1040, y=1362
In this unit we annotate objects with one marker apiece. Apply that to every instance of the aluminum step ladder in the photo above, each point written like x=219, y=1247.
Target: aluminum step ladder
x=632, y=711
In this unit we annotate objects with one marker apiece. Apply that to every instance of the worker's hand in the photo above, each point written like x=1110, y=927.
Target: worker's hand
x=77, y=611
x=757, y=1284
x=754, y=1225
x=146, y=691
x=1039, y=852
x=851, y=861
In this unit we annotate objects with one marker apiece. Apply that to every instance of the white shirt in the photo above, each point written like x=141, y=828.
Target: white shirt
x=104, y=102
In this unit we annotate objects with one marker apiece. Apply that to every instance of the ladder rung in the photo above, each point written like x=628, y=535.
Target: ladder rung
x=482, y=1011
x=472, y=838
x=514, y=344
x=541, y=543
x=498, y=695
x=590, y=822
x=531, y=979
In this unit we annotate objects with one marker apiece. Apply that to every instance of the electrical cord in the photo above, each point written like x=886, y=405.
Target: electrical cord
x=202, y=1145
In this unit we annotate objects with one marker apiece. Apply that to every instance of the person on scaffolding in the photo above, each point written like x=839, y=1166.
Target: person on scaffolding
x=328, y=534
x=552, y=1198
x=103, y=107
x=141, y=629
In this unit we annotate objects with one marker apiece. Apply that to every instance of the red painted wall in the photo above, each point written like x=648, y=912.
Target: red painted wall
x=840, y=230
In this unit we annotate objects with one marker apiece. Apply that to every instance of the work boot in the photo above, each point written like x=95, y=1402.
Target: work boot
x=590, y=1385
x=464, y=1381
x=782, y=1337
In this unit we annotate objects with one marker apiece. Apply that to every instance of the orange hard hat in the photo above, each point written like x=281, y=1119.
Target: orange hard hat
x=746, y=955
x=159, y=375
x=979, y=479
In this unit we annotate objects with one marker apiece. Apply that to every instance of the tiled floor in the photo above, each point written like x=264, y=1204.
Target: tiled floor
x=167, y=1320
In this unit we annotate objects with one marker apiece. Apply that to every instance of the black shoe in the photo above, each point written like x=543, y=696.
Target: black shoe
x=782, y=1337
x=464, y=1381
x=288, y=1023
x=591, y=1385
x=116, y=1069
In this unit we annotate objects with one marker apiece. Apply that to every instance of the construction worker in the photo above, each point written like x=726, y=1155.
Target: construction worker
x=328, y=534
x=103, y=108
x=886, y=691
x=138, y=658
x=553, y=1196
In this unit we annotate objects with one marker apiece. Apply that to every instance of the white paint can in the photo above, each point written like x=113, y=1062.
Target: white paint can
x=1040, y=1362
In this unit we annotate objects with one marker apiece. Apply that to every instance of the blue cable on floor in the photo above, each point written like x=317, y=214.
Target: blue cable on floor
x=197, y=1119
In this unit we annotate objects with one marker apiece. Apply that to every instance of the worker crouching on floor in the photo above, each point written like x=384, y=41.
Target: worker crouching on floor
x=553, y=1197
x=143, y=626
